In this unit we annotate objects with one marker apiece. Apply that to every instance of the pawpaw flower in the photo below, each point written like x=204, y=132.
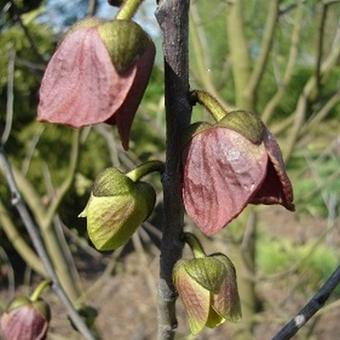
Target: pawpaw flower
x=25, y=320
x=117, y=206
x=208, y=289
x=98, y=74
x=229, y=164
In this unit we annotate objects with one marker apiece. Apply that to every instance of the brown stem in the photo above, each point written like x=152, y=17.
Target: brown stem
x=172, y=16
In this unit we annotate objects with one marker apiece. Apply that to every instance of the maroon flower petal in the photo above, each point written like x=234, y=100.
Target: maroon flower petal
x=222, y=170
x=126, y=112
x=24, y=323
x=276, y=187
x=80, y=86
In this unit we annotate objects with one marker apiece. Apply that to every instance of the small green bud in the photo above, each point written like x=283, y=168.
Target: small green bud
x=116, y=208
x=208, y=289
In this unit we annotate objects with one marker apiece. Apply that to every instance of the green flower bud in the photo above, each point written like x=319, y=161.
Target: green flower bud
x=208, y=289
x=117, y=206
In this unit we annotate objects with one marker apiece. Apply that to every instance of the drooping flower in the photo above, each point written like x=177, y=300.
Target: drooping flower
x=208, y=289
x=229, y=164
x=25, y=320
x=117, y=206
x=98, y=74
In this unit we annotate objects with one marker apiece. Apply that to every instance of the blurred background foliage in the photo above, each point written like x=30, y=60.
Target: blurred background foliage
x=30, y=33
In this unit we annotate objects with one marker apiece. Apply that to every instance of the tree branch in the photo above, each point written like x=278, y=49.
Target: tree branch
x=200, y=51
x=275, y=100
x=19, y=243
x=172, y=16
x=10, y=98
x=39, y=246
x=92, y=7
x=315, y=304
x=239, y=52
x=309, y=94
x=69, y=177
x=266, y=45
x=27, y=33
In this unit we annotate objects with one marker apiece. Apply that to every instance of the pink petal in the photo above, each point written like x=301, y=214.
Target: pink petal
x=24, y=323
x=195, y=298
x=80, y=86
x=276, y=187
x=227, y=301
x=222, y=170
x=125, y=114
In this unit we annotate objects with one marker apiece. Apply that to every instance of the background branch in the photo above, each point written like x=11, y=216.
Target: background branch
x=239, y=52
x=293, y=51
x=316, y=303
x=266, y=45
x=39, y=246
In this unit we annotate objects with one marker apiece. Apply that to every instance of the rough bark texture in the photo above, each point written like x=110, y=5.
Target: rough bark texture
x=172, y=16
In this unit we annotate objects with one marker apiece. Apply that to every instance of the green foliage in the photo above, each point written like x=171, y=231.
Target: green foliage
x=318, y=183
x=316, y=262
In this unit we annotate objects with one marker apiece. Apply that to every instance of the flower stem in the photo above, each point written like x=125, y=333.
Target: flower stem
x=40, y=289
x=128, y=9
x=196, y=247
x=144, y=169
x=210, y=103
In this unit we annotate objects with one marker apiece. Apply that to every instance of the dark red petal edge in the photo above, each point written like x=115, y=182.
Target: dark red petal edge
x=124, y=116
x=276, y=187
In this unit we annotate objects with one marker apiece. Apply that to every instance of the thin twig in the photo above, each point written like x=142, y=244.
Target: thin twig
x=10, y=96
x=266, y=45
x=39, y=246
x=92, y=7
x=319, y=48
x=19, y=243
x=10, y=271
x=145, y=265
x=69, y=177
x=321, y=114
x=27, y=33
x=200, y=51
x=315, y=304
x=287, y=9
x=275, y=100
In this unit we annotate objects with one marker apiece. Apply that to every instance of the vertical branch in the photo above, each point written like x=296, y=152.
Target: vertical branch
x=319, y=48
x=172, y=16
x=293, y=52
x=239, y=53
x=39, y=246
x=266, y=45
x=200, y=51
x=19, y=243
x=10, y=96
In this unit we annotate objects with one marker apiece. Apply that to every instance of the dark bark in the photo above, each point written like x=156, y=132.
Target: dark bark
x=316, y=303
x=172, y=16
